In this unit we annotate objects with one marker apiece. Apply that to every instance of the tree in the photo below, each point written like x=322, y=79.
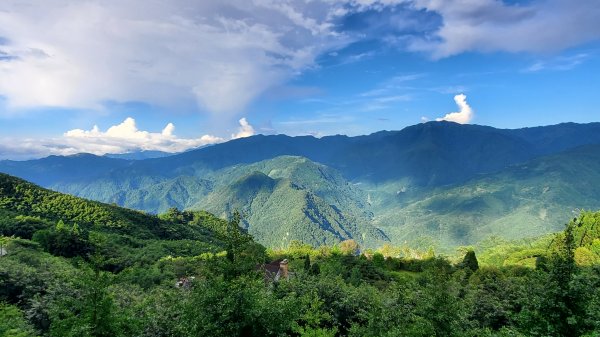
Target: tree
x=12, y=322
x=470, y=261
x=235, y=237
x=242, y=253
x=307, y=263
x=556, y=307
x=439, y=301
x=355, y=278
x=63, y=241
x=315, y=269
x=238, y=307
x=310, y=323
x=88, y=312
x=378, y=260
x=349, y=247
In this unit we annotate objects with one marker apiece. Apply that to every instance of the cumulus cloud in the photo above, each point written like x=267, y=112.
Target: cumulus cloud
x=222, y=55
x=126, y=137
x=463, y=116
x=245, y=130
x=121, y=138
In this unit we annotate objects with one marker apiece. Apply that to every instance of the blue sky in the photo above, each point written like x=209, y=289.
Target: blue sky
x=117, y=76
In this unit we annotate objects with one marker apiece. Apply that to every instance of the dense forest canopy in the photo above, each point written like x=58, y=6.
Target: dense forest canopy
x=71, y=267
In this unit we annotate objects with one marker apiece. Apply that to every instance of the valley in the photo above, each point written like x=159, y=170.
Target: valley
x=437, y=184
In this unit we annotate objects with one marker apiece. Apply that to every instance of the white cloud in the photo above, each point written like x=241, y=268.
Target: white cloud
x=222, y=55
x=126, y=137
x=168, y=130
x=560, y=63
x=121, y=138
x=463, y=116
x=538, y=26
x=245, y=130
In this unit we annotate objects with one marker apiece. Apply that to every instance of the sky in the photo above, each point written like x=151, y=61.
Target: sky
x=116, y=76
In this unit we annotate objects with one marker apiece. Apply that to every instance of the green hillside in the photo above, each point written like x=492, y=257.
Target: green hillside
x=292, y=198
x=23, y=198
x=278, y=211
x=285, y=198
x=525, y=200
x=432, y=184
x=73, y=267
x=70, y=226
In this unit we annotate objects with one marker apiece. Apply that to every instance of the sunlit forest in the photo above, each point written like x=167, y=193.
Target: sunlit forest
x=72, y=267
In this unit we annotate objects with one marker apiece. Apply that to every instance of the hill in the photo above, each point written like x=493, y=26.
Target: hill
x=277, y=211
x=20, y=197
x=524, y=200
x=71, y=226
x=428, y=154
x=414, y=185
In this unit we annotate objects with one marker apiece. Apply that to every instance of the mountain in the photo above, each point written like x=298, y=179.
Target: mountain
x=293, y=198
x=555, y=138
x=415, y=185
x=139, y=155
x=49, y=170
x=428, y=154
x=523, y=200
x=20, y=200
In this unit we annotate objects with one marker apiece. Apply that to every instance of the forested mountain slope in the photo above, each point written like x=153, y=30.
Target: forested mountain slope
x=64, y=223
x=524, y=200
x=441, y=183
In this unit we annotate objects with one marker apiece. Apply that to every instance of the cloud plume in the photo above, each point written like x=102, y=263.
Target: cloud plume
x=465, y=113
x=245, y=130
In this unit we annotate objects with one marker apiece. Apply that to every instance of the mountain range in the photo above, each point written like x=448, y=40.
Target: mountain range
x=435, y=184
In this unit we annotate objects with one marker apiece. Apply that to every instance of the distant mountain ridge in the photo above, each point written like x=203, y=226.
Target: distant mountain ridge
x=364, y=185
x=466, y=150
x=139, y=155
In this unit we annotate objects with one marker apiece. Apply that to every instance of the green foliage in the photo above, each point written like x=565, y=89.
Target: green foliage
x=36, y=207
x=307, y=265
x=63, y=241
x=91, y=312
x=470, y=261
x=13, y=323
x=85, y=279
x=22, y=226
x=241, y=307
